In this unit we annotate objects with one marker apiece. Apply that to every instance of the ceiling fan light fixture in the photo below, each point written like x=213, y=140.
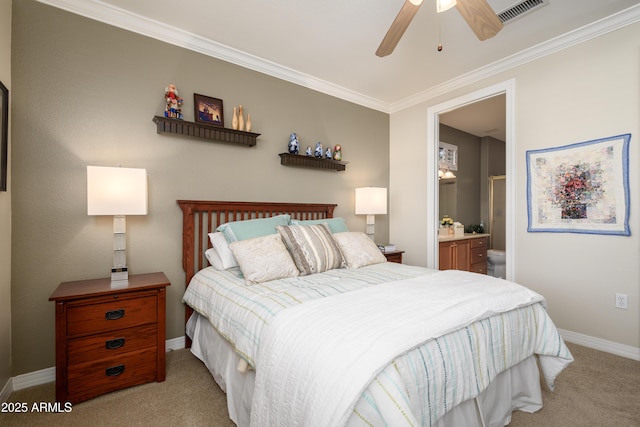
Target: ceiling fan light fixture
x=444, y=5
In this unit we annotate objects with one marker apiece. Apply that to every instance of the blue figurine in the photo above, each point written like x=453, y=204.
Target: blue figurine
x=309, y=153
x=319, y=152
x=294, y=145
x=327, y=154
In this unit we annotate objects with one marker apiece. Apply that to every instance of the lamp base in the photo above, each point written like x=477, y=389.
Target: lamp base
x=371, y=221
x=119, y=273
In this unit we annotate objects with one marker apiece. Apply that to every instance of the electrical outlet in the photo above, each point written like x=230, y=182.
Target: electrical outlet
x=621, y=301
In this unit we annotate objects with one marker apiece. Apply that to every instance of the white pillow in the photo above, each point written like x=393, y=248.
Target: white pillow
x=262, y=259
x=221, y=246
x=358, y=249
x=214, y=259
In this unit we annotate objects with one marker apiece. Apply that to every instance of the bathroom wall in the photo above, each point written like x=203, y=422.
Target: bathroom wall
x=467, y=182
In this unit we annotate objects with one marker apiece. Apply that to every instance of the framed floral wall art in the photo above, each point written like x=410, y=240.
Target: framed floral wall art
x=580, y=188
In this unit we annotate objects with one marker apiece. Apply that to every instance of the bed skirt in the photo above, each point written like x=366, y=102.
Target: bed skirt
x=491, y=408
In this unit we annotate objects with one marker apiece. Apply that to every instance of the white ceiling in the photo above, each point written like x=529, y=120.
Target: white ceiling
x=330, y=45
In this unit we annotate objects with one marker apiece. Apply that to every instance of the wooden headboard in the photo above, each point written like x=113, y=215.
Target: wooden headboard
x=201, y=217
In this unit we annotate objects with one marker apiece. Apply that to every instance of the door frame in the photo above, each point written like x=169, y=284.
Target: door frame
x=433, y=136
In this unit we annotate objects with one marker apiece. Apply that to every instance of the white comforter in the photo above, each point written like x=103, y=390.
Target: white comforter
x=312, y=368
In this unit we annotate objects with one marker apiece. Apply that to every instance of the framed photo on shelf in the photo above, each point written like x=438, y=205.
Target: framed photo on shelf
x=208, y=110
x=4, y=134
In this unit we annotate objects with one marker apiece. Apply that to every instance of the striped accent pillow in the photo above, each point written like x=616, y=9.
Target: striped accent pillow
x=312, y=247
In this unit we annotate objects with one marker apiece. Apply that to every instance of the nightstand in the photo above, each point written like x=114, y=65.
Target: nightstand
x=394, y=256
x=108, y=338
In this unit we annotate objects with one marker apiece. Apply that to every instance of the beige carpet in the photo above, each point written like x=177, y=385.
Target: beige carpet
x=598, y=389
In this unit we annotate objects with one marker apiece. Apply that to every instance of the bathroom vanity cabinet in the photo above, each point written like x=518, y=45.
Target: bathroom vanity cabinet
x=468, y=253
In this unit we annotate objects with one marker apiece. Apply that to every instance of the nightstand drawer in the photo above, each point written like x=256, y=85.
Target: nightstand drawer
x=109, y=344
x=87, y=380
x=112, y=313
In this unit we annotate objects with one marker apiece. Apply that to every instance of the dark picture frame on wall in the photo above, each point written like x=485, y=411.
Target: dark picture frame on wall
x=208, y=110
x=4, y=135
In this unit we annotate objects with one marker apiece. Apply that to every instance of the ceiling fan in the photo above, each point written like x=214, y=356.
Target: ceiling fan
x=479, y=16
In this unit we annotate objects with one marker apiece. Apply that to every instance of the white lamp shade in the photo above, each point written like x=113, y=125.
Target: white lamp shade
x=116, y=191
x=371, y=201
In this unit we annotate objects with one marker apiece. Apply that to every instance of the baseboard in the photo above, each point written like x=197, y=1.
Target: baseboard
x=35, y=378
x=174, y=344
x=48, y=375
x=602, y=345
x=7, y=389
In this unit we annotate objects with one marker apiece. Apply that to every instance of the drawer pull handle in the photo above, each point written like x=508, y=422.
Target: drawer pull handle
x=113, y=344
x=114, y=371
x=114, y=314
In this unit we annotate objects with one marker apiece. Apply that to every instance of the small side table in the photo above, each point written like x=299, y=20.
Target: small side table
x=109, y=337
x=394, y=256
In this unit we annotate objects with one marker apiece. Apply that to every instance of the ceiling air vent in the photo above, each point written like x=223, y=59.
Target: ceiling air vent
x=520, y=9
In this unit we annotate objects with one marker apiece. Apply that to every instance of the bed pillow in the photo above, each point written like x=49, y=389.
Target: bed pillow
x=214, y=259
x=336, y=225
x=312, y=247
x=264, y=258
x=358, y=249
x=224, y=254
x=241, y=230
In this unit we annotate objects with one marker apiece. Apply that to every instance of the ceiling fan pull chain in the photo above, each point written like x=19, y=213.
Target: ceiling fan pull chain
x=439, y=32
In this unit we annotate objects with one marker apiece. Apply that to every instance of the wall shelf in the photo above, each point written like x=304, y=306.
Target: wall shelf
x=208, y=132
x=288, y=159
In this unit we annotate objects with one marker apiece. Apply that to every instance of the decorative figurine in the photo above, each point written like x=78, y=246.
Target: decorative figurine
x=248, y=124
x=294, y=145
x=327, y=154
x=309, y=153
x=234, y=119
x=173, y=109
x=337, y=153
x=319, y=152
x=240, y=118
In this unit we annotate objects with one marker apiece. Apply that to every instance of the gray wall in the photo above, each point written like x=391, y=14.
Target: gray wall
x=85, y=94
x=5, y=212
x=468, y=180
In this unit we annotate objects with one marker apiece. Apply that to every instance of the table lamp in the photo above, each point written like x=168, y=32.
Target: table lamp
x=371, y=201
x=117, y=191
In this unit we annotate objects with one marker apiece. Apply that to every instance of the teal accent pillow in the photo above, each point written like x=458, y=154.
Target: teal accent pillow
x=336, y=225
x=235, y=231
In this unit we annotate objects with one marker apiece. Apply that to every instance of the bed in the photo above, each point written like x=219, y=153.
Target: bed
x=423, y=347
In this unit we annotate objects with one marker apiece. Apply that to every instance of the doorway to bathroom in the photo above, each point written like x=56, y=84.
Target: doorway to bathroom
x=466, y=206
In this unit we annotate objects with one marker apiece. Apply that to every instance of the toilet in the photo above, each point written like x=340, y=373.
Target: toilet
x=496, y=263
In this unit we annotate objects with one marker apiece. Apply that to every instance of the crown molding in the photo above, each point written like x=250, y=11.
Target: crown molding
x=105, y=13
x=611, y=23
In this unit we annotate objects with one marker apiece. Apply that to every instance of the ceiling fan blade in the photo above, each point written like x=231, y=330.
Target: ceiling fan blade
x=480, y=17
x=397, y=29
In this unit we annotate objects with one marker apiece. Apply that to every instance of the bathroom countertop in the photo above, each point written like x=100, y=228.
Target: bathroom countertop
x=465, y=236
